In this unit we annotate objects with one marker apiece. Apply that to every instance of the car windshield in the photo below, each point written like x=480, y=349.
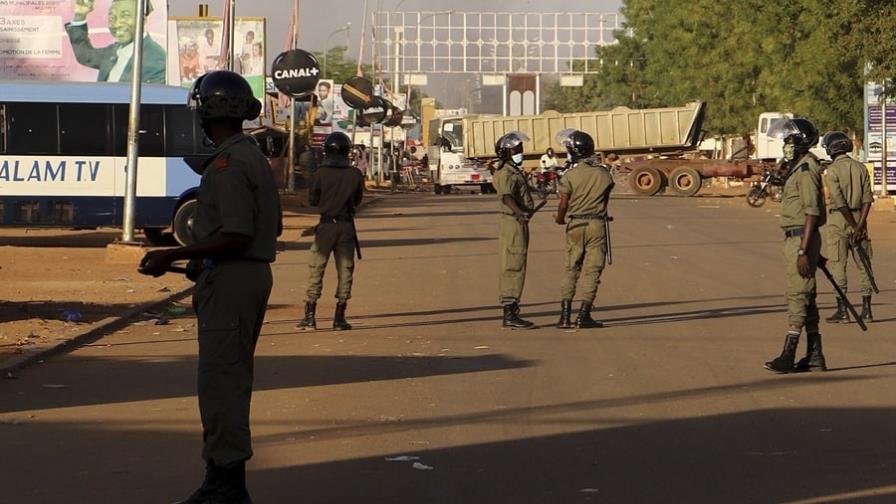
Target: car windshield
x=454, y=132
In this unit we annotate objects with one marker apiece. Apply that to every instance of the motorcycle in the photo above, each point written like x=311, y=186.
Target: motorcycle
x=770, y=185
x=545, y=183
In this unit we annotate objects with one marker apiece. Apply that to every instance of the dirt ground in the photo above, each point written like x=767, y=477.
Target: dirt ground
x=56, y=284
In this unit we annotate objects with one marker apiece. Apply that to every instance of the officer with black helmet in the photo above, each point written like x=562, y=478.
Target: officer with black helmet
x=237, y=222
x=849, y=200
x=337, y=191
x=802, y=214
x=584, y=194
x=516, y=206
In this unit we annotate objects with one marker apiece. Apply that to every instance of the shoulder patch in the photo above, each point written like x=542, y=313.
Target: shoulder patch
x=223, y=160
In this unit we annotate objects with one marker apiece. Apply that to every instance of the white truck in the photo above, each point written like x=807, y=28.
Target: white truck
x=449, y=168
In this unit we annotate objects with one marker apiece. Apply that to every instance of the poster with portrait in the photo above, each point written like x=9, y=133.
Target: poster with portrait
x=80, y=40
x=195, y=47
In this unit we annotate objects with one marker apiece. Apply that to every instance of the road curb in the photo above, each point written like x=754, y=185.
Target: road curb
x=91, y=335
x=114, y=323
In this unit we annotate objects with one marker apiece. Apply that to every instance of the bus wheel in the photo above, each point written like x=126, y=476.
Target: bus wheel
x=437, y=188
x=646, y=180
x=183, y=222
x=159, y=238
x=685, y=181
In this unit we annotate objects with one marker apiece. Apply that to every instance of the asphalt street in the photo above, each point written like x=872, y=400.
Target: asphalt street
x=667, y=404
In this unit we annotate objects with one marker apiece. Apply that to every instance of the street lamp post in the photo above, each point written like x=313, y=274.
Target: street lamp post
x=347, y=27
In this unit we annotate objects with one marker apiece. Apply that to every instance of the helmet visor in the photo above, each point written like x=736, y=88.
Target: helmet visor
x=564, y=137
x=783, y=128
x=512, y=139
x=193, y=95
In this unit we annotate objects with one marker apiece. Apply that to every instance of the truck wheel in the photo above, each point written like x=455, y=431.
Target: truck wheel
x=486, y=188
x=437, y=188
x=158, y=237
x=685, y=181
x=446, y=189
x=183, y=222
x=646, y=180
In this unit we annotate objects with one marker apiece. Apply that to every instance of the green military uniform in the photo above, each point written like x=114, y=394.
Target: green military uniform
x=336, y=191
x=513, y=235
x=237, y=195
x=802, y=197
x=849, y=186
x=589, y=189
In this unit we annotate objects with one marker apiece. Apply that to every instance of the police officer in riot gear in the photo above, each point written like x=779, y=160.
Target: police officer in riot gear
x=337, y=191
x=237, y=222
x=584, y=193
x=516, y=207
x=849, y=201
x=802, y=214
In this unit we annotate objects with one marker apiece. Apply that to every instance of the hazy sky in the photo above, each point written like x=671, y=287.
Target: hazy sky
x=318, y=18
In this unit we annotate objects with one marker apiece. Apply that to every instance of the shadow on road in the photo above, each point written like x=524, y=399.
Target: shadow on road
x=395, y=242
x=58, y=310
x=170, y=377
x=67, y=239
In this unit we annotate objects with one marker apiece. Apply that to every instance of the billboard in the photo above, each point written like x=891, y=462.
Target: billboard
x=875, y=126
x=79, y=40
x=195, y=48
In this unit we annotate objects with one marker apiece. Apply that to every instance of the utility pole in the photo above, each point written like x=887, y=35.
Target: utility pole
x=133, y=152
x=291, y=151
x=884, y=190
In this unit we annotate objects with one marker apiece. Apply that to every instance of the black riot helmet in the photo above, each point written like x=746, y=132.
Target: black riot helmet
x=337, y=145
x=579, y=145
x=223, y=95
x=799, y=132
x=510, y=144
x=836, y=143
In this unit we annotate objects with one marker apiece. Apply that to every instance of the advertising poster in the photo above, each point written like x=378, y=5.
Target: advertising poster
x=195, y=48
x=79, y=40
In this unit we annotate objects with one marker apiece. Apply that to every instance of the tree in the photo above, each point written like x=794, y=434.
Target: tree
x=337, y=66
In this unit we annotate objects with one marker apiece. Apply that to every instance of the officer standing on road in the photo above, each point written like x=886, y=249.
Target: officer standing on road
x=584, y=194
x=236, y=226
x=336, y=191
x=849, y=199
x=802, y=214
x=516, y=208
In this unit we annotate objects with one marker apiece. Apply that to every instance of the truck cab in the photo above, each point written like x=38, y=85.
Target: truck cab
x=448, y=167
x=770, y=149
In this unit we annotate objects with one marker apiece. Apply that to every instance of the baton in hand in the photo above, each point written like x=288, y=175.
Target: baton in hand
x=849, y=307
x=865, y=261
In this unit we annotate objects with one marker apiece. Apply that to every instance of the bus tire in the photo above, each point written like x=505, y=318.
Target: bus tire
x=183, y=222
x=437, y=188
x=685, y=181
x=159, y=238
x=646, y=180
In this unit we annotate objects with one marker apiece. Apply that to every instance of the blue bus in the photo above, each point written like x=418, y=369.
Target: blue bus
x=63, y=157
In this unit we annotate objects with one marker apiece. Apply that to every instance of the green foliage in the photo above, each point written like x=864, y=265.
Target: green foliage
x=743, y=57
x=337, y=66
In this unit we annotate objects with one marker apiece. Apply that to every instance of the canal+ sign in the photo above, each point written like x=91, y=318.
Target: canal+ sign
x=296, y=73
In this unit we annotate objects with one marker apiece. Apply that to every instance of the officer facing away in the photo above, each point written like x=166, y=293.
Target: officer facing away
x=336, y=191
x=584, y=193
x=236, y=226
x=849, y=200
x=516, y=206
x=802, y=213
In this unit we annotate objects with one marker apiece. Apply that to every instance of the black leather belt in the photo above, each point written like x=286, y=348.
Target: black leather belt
x=326, y=219
x=588, y=217
x=790, y=233
x=837, y=210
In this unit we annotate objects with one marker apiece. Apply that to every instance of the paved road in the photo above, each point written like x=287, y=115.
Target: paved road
x=669, y=403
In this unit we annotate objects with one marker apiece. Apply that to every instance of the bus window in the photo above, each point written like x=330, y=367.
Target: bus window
x=179, y=131
x=84, y=129
x=33, y=128
x=152, y=130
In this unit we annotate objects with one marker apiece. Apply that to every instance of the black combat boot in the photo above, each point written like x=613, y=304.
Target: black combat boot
x=213, y=478
x=512, y=318
x=232, y=489
x=565, y=315
x=339, y=322
x=841, y=316
x=309, y=323
x=814, y=359
x=784, y=362
x=866, y=309
x=584, y=320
